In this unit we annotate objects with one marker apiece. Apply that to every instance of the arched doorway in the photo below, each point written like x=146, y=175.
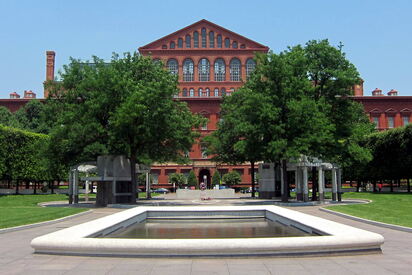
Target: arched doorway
x=204, y=175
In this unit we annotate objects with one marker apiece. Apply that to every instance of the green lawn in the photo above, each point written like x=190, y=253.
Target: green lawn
x=142, y=195
x=22, y=209
x=385, y=207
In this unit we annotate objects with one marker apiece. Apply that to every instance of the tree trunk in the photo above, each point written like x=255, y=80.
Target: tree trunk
x=133, y=177
x=314, y=189
x=285, y=194
x=374, y=186
x=252, y=165
x=8, y=184
x=391, y=186
x=17, y=187
x=35, y=187
x=51, y=186
x=358, y=185
x=409, y=186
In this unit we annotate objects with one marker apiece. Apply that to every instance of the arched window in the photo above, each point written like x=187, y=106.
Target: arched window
x=180, y=43
x=191, y=92
x=157, y=61
x=196, y=39
x=204, y=38
x=207, y=93
x=216, y=92
x=250, y=67
x=220, y=70
x=172, y=45
x=199, y=92
x=188, y=70
x=184, y=93
x=172, y=66
x=227, y=43
x=219, y=41
x=235, y=69
x=204, y=69
x=211, y=39
x=188, y=41
x=234, y=45
x=223, y=91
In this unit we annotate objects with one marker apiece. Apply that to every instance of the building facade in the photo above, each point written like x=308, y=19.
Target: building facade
x=211, y=61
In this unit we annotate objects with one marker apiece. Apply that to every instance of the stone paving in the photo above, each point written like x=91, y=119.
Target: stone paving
x=17, y=257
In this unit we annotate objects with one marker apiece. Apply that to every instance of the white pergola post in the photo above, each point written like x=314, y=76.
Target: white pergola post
x=339, y=180
x=321, y=182
x=71, y=186
x=305, y=183
x=334, y=185
x=298, y=184
x=76, y=186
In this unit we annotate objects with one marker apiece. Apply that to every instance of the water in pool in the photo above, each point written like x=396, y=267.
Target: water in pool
x=207, y=229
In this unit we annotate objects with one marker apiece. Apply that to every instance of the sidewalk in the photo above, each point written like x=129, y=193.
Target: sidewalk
x=16, y=255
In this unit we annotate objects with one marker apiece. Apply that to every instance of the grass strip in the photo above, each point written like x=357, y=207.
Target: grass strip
x=385, y=207
x=18, y=210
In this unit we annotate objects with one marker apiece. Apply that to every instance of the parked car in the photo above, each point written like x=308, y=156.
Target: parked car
x=161, y=190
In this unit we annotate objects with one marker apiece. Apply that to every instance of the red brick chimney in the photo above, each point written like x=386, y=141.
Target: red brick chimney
x=358, y=89
x=50, y=63
x=29, y=94
x=14, y=95
x=377, y=92
x=393, y=92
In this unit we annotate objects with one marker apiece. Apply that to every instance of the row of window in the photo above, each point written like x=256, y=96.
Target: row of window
x=206, y=92
x=391, y=121
x=235, y=69
x=218, y=41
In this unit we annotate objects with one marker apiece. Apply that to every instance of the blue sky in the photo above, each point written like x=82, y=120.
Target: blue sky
x=377, y=34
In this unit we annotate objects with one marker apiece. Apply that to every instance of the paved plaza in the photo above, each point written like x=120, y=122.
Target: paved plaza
x=16, y=255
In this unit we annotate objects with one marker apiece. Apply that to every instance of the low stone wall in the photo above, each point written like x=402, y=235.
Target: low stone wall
x=187, y=194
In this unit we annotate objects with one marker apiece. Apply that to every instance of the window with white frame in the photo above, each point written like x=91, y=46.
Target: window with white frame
x=196, y=39
x=172, y=66
x=199, y=92
x=203, y=149
x=184, y=93
x=211, y=39
x=188, y=41
x=405, y=120
x=191, y=92
x=155, y=178
x=220, y=70
x=188, y=70
x=204, y=70
x=204, y=45
x=216, y=92
x=250, y=67
x=376, y=121
x=391, y=122
x=207, y=92
x=235, y=70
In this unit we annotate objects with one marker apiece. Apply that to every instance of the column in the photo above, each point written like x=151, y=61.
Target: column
x=334, y=185
x=339, y=180
x=298, y=184
x=305, y=183
x=70, y=186
x=321, y=182
x=76, y=186
x=282, y=187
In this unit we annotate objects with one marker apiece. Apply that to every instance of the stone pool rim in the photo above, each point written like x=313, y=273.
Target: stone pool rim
x=77, y=240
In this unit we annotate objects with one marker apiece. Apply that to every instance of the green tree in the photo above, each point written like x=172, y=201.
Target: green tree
x=179, y=180
x=216, y=179
x=125, y=107
x=231, y=178
x=6, y=117
x=33, y=117
x=191, y=179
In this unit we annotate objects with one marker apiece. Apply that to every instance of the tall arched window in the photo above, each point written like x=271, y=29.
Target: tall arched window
x=180, y=43
x=211, y=39
x=235, y=69
x=196, y=39
x=207, y=92
x=188, y=70
x=227, y=43
x=172, y=66
x=220, y=70
x=204, y=38
x=216, y=92
x=204, y=69
x=188, y=41
x=172, y=45
x=184, y=92
x=223, y=91
x=219, y=41
x=199, y=92
x=191, y=92
x=250, y=67
x=234, y=45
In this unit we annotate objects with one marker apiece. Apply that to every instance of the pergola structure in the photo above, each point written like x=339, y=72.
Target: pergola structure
x=269, y=174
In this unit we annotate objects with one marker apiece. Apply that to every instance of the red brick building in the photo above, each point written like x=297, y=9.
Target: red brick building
x=210, y=61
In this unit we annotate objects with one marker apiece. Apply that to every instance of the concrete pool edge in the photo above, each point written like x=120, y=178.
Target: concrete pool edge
x=341, y=238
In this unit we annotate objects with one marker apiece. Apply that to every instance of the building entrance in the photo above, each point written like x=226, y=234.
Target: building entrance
x=204, y=176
